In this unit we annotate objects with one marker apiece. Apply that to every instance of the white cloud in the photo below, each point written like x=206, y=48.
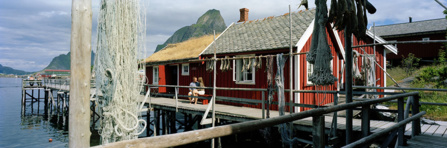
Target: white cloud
x=52, y=13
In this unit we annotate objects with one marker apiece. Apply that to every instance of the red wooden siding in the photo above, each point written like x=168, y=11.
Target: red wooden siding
x=225, y=79
x=369, y=50
x=427, y=51
x=317, y=98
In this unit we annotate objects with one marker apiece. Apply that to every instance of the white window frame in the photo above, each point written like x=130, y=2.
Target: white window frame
x=155, y=75
x=309, y=71
x=241, y=77
x=183, y=69
x=425, y=39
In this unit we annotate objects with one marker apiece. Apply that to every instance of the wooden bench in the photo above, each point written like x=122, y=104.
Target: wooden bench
x=204, y=101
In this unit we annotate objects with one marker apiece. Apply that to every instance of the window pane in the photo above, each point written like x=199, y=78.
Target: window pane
x=249, y=76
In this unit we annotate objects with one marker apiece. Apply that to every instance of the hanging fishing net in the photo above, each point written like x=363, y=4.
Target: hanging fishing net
x=120, y=42
x=320, y=54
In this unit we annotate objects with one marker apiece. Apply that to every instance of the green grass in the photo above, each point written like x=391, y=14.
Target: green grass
x=433, y=112
x=397, y=73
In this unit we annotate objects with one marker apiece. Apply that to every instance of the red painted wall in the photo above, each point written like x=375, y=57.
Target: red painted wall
x=370, y=50
x=225, y=79
x=316, y=98
x=427, y=51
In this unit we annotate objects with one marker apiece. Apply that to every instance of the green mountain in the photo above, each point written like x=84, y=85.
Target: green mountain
x=62, y=62
x=9, y=70
x=211, y=20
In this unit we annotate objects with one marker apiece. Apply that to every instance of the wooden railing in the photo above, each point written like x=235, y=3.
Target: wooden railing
x=317, y=130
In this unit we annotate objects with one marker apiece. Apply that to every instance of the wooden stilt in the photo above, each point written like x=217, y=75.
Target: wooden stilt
x=163, y=122
x=148, y=121
x=156, y=121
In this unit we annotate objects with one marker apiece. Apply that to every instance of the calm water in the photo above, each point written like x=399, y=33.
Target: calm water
x=28, y=130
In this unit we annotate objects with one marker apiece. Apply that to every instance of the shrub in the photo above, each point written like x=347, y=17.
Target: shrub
x=410, y=63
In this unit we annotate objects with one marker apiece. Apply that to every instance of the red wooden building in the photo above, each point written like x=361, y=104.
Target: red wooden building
x=268, y=36
x=434, y=29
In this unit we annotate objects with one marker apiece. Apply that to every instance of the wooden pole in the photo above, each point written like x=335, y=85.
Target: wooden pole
x=214, y=89
x=80, y=47
x=290, y=75
x=348, y=83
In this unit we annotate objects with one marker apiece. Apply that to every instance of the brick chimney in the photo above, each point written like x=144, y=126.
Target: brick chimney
x=244, y=15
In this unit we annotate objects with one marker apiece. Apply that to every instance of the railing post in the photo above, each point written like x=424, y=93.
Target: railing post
x=318, y=131
x=400, y=117
x=416, y=124
x=335, y=115
x=156, y=121
x=148, y=119
x=365, y=121
x=176, y=99
x=263, y=104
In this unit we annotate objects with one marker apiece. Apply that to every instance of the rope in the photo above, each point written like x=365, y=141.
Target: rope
x=121, y=32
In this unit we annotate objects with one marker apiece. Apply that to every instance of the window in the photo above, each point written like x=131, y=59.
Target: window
x=310, y=69
x=155, y=75
x=425, y=39
x=246, y=76
x=185, y=69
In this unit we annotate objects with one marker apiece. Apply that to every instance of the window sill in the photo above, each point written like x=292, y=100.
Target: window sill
x=245, y=83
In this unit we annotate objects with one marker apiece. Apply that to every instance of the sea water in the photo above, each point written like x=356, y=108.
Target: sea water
x=27, y=130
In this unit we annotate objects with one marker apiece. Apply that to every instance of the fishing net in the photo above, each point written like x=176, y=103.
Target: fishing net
x=320, y=54
x=120, y=42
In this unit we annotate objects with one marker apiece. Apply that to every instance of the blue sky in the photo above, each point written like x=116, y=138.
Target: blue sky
x=32, y=32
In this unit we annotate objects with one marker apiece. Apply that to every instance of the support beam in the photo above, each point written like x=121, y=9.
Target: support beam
x=365, y=121
x=400, y=117
x=348, y=83
x=318, y=131
x=80, y=47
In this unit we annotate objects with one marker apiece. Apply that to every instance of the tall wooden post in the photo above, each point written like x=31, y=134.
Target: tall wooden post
x=80, y=47
x=348, y=84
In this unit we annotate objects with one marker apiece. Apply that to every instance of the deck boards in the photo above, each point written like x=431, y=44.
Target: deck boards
x=254, y=113
x=422, y=141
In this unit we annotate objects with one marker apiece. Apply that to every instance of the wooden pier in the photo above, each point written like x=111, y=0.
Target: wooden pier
x=165, y=110
x=235, y=113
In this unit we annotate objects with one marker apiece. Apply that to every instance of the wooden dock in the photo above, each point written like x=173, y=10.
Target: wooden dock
x=422, y=141
x=433, y=135
x=236, y=113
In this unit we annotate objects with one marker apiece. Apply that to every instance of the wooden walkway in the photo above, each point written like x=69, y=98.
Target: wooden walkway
x=423, y=141
x=245, y=113
x=236, y=113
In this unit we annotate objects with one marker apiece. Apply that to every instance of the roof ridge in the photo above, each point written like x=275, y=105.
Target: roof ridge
x=272, y=17
x=411, y=22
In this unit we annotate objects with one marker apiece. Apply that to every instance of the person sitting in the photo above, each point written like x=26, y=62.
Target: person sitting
x=31, y=78
x=199, y=91
x=192, y=91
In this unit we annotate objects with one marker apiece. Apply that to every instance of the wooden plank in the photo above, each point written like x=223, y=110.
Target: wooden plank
x=440, y=131
x=424, y=128
x=408, y=129
x=429, y=141
x=431, y=130
x=378, y=125
x=378, y=129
